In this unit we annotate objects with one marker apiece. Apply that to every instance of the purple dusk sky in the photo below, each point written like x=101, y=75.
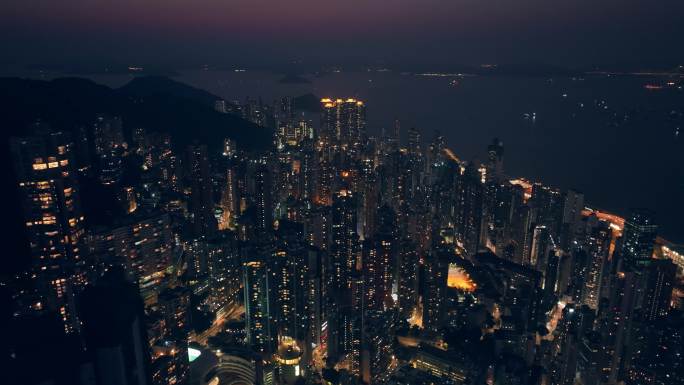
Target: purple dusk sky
x=568, y=31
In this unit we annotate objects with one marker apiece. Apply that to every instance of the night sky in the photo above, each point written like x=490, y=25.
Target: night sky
x=568, y=33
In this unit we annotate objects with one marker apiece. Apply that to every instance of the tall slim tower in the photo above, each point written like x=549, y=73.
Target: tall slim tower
x=54, y=221
x=659, y=282
x=413, y=141
x=573, y=204
x=386, y=249
x=409, y=263
x=469, y=209
x=344, y=245
x=288, y=269
x=541, y=245
x=495, y=159
x=257, y=306
x=343, y=259
x=202, y=202
x=263, y=200
x=436, y=271
x=598, y=245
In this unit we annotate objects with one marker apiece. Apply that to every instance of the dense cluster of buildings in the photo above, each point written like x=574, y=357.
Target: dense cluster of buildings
x=336, y=257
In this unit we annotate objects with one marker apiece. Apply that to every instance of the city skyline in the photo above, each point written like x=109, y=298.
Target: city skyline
x=338, y=237
x=342, y=193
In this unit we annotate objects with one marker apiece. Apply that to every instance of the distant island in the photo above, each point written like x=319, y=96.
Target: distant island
x=294, y=79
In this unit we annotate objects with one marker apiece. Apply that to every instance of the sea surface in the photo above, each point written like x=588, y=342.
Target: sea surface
x=609, y=136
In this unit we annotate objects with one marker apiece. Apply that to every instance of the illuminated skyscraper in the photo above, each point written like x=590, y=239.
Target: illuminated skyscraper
x=436, y=271
x=142, y=244
x=573, y=204
x=223, y=262
x=171, y=362
x=541, y=245
x=377, y=349
x=229, y=200
x=202, y=203
x=413, y=141
x=315, y=291
x=547, y=205
x=257, y=306
x=263, y=200
x=54, y=221
x=408, y=277
x=220, y=106
x=342, y=263
x=323, y=183
x=109, y=147
x=308, y=168
x=386, y=254
x=495, y=159
x=286, y=279
x=370, y=204
x=343, y=122
x=638, y=238
x=598, y=244
x=658, y=353
x=404, y=191
x=372, y=275
x=469, y=209
x=195, y=253
x=351, y=322
x=344, y=247
x=256, y=112
x=660, y=279
x=229, y=147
